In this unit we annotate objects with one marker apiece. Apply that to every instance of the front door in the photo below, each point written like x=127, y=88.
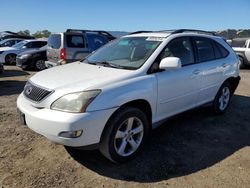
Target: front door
x=178, y=89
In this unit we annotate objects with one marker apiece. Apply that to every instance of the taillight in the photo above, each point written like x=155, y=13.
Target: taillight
x=63, y=54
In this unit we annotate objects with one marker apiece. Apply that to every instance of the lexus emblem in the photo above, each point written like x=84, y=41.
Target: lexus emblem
x=28, y=90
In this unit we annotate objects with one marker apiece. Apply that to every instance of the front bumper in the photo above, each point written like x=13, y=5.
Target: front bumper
x=50, y=123
x=22, y=62
x=50, y=64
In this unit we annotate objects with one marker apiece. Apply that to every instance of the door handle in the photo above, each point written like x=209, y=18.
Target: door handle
x=196, y=72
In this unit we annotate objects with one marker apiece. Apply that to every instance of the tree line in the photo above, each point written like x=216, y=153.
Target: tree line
x=228, y=34
x=39, y=34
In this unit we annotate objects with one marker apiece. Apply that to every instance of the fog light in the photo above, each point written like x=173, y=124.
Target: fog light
x=70, y=134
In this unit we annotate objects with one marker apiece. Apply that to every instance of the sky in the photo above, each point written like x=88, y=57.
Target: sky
x=121, y=15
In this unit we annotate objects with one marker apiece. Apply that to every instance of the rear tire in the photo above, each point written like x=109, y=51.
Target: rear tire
x=222, y=99
x=10, y=59
x=124, y=135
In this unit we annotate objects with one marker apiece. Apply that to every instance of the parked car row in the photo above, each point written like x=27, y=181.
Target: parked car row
x=62, y=48
x=8, y=34
x=74, y=45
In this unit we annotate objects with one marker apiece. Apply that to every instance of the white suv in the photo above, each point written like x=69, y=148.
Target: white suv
x=113, y=98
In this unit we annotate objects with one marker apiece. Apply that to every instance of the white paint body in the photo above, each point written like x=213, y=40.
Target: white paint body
x=244, y=52
x=168, y=92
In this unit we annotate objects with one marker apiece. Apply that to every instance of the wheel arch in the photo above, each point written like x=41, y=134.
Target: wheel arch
x=140, y=104
x=233, y=81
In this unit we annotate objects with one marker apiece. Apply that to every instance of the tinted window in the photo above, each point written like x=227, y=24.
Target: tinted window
x=40, y=44
x=238, y=43
x=54, y=41
x=75, y=41
x=205, y=49
x=181, y=48
x=96, y=41
x=220, y=51
x=36, y=44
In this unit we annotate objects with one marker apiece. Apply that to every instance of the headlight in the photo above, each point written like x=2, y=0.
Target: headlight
x=75, y=102
x=24, y=56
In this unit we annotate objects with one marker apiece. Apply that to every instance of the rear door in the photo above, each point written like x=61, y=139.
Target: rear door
x=76, y=47
x=212, y=64
x=54, y=47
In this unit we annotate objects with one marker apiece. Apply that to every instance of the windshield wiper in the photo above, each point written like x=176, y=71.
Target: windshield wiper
x=106, y=64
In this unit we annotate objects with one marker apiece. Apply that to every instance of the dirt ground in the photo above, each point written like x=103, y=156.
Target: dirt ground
x=194, y=149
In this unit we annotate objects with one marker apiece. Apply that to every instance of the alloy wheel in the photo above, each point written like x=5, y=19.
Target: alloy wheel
x=129, y=136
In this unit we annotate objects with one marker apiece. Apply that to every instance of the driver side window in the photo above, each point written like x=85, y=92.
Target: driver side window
x=181, y=48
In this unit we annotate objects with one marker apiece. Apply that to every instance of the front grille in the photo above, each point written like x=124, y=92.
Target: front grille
x=35, y=93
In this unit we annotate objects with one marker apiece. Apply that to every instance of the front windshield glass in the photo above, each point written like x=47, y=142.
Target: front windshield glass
x=20, y=44
x=3, y=41
x=127, y=53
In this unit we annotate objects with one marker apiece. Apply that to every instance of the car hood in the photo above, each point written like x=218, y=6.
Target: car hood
x=7, y=48
x=79, y=76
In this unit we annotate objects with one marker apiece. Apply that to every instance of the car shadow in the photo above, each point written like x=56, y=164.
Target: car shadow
x=13, y=73
x=184, y=144
x=11, y=87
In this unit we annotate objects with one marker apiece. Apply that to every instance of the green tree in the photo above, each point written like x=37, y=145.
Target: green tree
x=41, y=34
x=24, y=32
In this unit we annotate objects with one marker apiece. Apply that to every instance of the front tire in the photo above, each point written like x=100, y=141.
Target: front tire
x=124, y=135
x=222, y=99
x=242, y=65
x=10, y=59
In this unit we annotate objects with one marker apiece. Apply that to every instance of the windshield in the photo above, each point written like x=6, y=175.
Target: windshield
x=3, y=41
x=20, y=44
x=127, y=53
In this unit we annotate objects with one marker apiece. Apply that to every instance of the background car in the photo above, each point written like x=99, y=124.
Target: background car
x=242, y=48
x=8, y=34
x=74, y=45
x=8, y=54
x=10, y=42
x=32, y=59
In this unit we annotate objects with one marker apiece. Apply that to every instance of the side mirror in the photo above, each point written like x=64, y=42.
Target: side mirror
x=170, y=63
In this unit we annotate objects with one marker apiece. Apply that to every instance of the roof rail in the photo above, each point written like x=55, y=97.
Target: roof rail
x=110, y=37
x=193, y=31
x=136, y=32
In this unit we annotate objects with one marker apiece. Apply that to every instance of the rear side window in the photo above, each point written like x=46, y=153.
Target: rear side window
x=96, y=41
x=36, y=44
x=220, y=51
x=75, y=41
x=54, y=41
x=205, y=49
x=39, y=44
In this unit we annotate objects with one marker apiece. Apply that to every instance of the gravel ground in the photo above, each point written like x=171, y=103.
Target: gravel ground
x=194, y=149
